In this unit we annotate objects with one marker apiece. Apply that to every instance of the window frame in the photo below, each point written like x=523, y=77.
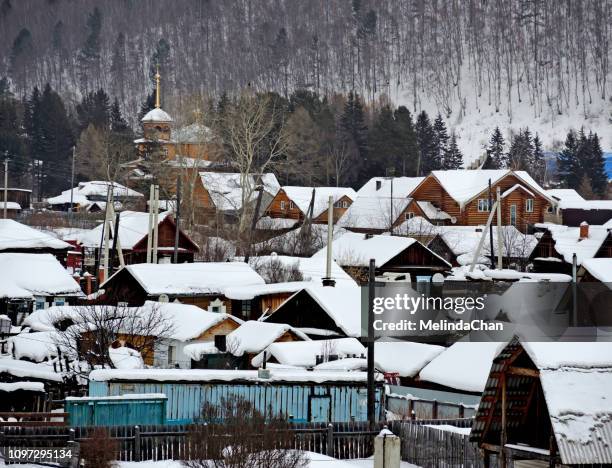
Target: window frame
x=528, y=202
x=483, y=202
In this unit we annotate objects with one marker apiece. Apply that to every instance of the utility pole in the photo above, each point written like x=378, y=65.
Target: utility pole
x=150, y=231
x=390, y=174
x=115, y=239
x=371, y=387
x=6, y=161
x=155, y=224
x=491, y=226
x=260, y=189
x=177, y=217
x=500, y=263
x=72, y=181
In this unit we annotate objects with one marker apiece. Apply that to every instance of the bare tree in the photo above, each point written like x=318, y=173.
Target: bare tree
x=273, y=270
x=87, y=332
x=239, y=435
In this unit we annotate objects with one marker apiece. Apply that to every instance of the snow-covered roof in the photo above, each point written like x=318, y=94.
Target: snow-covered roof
x=301, y=196
x=464, y=240
x=27, y=369
x=253, y=336
x=188, y=321
x=432, y=212
x=587, y=205
x=372, y=207
x=22, y=385
x=34, y=346
x=156, y=115
x=25, y=275
x=133, y=227
x=565, y=195
x=463, y=185
x=186, y=279
x=462, y=366
x=193, y=133
x=354, y=249
x=245, y=293
x=404, y=357
x=14, y=235
x=45, y=319
x=567, y=241
x=304, y=353
x=312, y=269
x=345, y=364
x=341, y=303
x=225, y=188
x=599, y=268
x=215, y=375
x=293, y=242
x=577, y=382
x=82, y=193
x=10, y=205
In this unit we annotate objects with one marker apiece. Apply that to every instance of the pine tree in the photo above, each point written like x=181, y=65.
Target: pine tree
x=119, y=66
x=538, y=162
x=384, y=145
x=94, y=109
x=89, y=56
x=520, y=154
x=11, y=132
x=585, y=189
x=426, y=139
x=21, y=53
x=453, y=159
x=147, y=105
x=440, y=139
x=568, y=165
x=160, y=58
x=354, y=133
x=594, y=165
x=496, y=156
x=408, y=150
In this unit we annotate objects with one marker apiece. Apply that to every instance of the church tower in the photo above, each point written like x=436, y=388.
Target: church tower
x=156, y=123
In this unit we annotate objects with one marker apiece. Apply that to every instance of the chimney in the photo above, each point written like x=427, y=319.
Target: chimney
x=584, y=230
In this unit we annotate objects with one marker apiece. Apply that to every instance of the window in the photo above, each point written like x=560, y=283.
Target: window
x=291, y=205
x=59, y=301
x=409, y=215
x=344, y=204
x=282, y=205
x=513, y=215
x=246, y=309
x=378, y=184
x=549, y=209
x=40, y=303
x=483, y=204
x=529, y=205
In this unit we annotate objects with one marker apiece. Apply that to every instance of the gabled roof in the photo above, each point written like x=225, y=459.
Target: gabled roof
x=567, y=241
x=372, y=207
x=225, y=188
x=354, y=249
x=189, y=279
x=133, y=227
x=253, y=336
x=463, y=185
x=301, y=196
x=600, y=269
x=14, y=235
x=95, y=188
x=565, y=195
x=25, y=275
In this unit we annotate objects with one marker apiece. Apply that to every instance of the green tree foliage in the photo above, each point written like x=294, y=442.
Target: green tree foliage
x=537, y=168
x=428, y=159
x=453, y=159
x=354, y=133
x=89, y=56
x=12, y=138
x=520, y=154
x=94, y=109
x=496, y=152
x=408, y=147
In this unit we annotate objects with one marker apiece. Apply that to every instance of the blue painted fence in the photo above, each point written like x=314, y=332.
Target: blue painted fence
x=299, y=402
x=114, y=411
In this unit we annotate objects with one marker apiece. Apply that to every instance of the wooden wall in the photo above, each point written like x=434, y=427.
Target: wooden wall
x=274, y=209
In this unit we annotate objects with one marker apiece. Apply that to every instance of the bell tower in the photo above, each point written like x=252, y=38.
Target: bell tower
x=156, y=124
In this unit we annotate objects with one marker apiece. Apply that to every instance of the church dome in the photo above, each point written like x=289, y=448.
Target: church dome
x=157, y=115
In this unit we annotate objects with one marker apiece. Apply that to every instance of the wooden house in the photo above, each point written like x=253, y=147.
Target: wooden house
x=296, y=203
x=393, y=254
x=547, y=402
x=25, y=386
x=557, y=244
x=33, y=281
x=322, y=312
x=133, y=236
x=464, y=196
x=237, y=349
x=572, y=209
x=19, y=238
x=201, y=284
x=91, y=197
x=22, y=197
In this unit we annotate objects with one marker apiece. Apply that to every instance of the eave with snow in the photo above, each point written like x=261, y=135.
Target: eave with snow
x=20, y=238
x=549, y=402
x=91, y=196
x=573, y=209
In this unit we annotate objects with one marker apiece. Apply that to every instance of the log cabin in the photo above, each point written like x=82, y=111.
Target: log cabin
x=201, y=284
x=133, y=236
x=20, y=238
x=464, y=196
x=393, y=255
x=296, y=203
x=557, y=244
x=547, y=403
x=91, y=197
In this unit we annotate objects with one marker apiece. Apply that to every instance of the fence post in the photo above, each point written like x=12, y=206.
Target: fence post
x=74, y=448
x=330, y=441
x=137, y=443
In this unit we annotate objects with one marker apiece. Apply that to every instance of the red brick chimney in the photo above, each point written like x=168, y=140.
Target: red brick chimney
x=584, y=230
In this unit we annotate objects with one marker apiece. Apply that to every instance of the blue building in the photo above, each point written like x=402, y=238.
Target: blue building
x=301, y=396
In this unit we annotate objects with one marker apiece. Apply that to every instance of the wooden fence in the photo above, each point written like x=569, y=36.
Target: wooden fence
x=421, y=443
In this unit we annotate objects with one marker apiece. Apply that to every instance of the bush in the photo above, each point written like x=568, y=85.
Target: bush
x=99, y=450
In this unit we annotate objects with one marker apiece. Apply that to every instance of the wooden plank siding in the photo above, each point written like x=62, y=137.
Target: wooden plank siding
x=430, y=190
x=339, y=210
x=281, y=206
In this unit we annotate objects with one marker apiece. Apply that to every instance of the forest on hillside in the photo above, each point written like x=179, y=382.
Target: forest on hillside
x=554, y=55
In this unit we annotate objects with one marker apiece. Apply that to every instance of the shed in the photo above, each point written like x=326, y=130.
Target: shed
x=548, y=401
x=120, y=410
x=300, y=396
